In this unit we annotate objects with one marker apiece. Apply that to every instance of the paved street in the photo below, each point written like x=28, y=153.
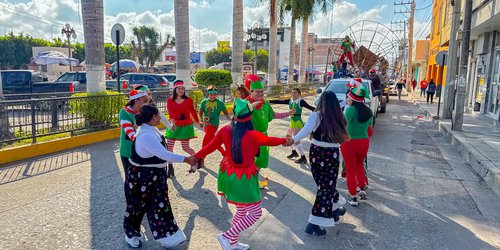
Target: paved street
x=422, y=196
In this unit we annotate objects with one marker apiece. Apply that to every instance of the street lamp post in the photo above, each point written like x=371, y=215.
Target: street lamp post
x=311, y=58
x=69, y=32
x=256, y=36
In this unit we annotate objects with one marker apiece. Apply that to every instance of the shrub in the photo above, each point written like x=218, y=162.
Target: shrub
x=217, y=77
x=197, y=96
x=99, y=109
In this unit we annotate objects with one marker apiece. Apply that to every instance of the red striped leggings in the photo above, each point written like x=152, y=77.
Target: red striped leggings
x=245, y=217
x=184, y=144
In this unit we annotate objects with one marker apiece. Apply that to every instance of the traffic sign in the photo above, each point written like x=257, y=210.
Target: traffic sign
x=118, y=34
x=441, y=57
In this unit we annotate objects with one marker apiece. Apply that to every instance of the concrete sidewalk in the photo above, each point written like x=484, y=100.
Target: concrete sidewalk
x=478, y=142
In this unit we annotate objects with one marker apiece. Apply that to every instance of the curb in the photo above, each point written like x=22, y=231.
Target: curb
x=38, y=149
x=482, y=166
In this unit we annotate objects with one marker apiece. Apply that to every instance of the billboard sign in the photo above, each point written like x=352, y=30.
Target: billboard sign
x=223, y=44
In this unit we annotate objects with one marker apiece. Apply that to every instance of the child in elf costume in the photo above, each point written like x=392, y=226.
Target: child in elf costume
x=262, y=114
x=182, y=115
x=347, y=47
x=238, y=175
x=359, y=119
x=137, y=99
x=210, y=109
x=296, y=103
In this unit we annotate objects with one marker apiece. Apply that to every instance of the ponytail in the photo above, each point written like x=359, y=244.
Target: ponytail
x=146, y=114
x=363, y=111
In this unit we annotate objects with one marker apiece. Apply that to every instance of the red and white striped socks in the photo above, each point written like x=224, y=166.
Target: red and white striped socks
x=184, y=144
x=245, y=217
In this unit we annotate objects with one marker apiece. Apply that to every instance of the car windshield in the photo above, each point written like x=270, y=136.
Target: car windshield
x=66, y=78
x=340, y=86
x=170, y=78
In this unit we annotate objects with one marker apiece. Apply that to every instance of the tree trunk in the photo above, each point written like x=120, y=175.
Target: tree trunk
x=93, y=31
x=303, y=50
x=181, y=13
x=273, y=42
x=291, y=59
x=237, y=43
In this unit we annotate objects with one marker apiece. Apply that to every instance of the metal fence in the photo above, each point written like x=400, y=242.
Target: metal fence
x=27, y=118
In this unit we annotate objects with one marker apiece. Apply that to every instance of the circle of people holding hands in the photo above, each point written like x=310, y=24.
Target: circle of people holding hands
x=147, y=154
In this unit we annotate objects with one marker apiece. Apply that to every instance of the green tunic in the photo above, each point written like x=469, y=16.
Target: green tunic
x=346, y=46
x=356, y=129
x=260, y=121
x=296, y=119
x=126, y=119
x=211, y=111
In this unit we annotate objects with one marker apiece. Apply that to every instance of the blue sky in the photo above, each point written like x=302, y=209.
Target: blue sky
x=209, y=22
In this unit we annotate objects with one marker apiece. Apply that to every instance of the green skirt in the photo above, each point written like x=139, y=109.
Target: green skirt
x=181, y=133
x=238, y=191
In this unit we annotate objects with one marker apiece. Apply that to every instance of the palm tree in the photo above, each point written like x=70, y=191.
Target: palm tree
x=237, y=43
x=93, y=30
x=181, y=17
x=273, y=41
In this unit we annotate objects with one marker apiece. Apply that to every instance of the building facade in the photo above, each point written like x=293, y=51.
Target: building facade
x=439, y=39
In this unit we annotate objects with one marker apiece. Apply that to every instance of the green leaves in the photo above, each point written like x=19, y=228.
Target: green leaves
x=100, y=110
x=217, y=77
x=147, y=45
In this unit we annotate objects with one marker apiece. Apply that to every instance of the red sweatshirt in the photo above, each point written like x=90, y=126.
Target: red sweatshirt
x=250, y=143
x=186, y=108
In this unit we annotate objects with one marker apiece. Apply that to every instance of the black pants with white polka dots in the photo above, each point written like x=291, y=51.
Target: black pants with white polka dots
x=324, y=169
x=146, y=192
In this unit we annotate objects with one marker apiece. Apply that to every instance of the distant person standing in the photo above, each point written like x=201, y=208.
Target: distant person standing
x=400, y=85
x=414, y=84
x=423, y=86
x=431, y=90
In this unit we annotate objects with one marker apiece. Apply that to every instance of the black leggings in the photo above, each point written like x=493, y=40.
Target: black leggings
x=431, y=96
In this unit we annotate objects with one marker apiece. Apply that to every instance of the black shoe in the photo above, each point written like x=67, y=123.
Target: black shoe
x=170, y=171
x=293, y=154
x=311, y=228
x=362, y=193
x=353, y=201
x=302, y=160
x=338, y=212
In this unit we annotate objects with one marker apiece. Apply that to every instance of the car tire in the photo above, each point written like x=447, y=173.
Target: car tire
x=382, y=109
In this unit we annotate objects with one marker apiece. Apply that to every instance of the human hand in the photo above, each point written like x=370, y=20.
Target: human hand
x=256, y=103
x=192, y=169
x=292, y=112
x=289, y=142
x=173, y=127
x=191, y=160
x=202, y=124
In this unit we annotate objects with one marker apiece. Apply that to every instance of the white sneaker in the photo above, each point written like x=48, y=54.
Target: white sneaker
x=133, y=242
x=173, y=240
x=224, y=242
x=240, y=246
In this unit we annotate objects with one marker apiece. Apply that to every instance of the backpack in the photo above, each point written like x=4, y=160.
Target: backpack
x=431, y=89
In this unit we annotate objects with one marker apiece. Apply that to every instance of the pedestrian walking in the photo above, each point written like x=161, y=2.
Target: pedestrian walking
x=296, y=124
x=423, y=87
x=137, y=99
x=328, y=129
x=146, y=190
x=431, y=90
x=262, y=115
x=210, y=110
x=182, y=115
x=238, y=174
x=399, y=86
x=359, y=119
x=413, y=85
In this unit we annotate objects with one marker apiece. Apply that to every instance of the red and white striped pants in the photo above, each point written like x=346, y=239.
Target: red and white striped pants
x=245, y=217
x=184, y=144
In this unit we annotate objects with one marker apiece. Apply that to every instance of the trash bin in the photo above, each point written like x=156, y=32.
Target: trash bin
x=477, y=106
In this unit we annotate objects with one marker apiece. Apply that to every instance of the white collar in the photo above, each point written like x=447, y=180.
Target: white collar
x=296, y=101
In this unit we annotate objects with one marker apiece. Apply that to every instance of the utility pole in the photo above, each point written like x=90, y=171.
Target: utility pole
x=462, y=71
x=451, y=70
x=409, y=74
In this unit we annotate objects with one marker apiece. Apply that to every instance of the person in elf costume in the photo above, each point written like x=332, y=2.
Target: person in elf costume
x=359, y=119
x=164, y=119
x=182, y=115
x=210, y=109
x=137, y=99
x=237, y=179
x=347, y=48
x=262, y=114
x=296, y=103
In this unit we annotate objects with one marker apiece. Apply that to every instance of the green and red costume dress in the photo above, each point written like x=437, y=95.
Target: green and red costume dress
x=347, y=46
x=183, y=116
x=211, y=119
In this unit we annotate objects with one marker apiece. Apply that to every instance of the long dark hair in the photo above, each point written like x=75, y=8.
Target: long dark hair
x=130, y=103
x=174, y=96
x=363, y=111
x=239, y=129
x=146, y=114
x=244, y=91
x=333, y=123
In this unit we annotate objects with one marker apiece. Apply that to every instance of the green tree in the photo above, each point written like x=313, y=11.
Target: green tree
x=216, y=56
x=146, y=45
x=248, y=55
x=110, y=52
x=17, y=50
x=262, y=60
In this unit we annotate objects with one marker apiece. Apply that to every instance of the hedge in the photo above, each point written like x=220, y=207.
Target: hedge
x=218, y=77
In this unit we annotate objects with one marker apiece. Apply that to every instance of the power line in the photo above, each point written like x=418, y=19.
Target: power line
x=425, y=7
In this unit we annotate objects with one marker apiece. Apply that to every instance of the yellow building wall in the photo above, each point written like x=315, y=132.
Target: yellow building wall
x=439, y=39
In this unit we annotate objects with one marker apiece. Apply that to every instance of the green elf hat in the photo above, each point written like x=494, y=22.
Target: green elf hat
x=140, y=87
x=211, y=90
x=358, y=94
x=252, y=82
x=241, y=109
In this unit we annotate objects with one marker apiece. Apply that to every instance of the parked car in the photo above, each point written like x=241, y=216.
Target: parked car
x=170, y=78
x=340, y=88
x=28, y=81
x=394, y=91
x=153, y=81
x=80, y=77
x=111, y=85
